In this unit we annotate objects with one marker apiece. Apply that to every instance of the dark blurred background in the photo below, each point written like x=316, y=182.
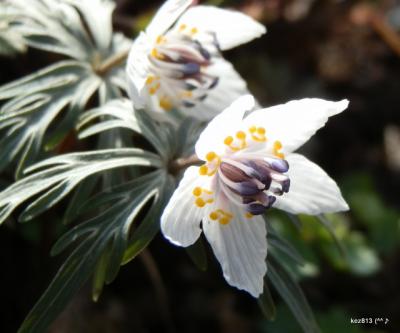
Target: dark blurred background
x=313, y=48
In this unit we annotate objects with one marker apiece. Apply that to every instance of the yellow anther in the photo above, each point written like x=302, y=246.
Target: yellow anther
x=165, y=103
x=236, y=146
x=222, y=216
x=276, y=149
x=194, y=31
x=241, y=135
x=156, y=54
x=182, y=27
x=211, y=167
x=160, y=39
x=154, y=88
x=200, y=202
x=211, y=156
x=203, y=196
x=227, y=214
x=249, y=215
x=261, y=130
x=150, y=79
x=257, y=133
x=197, y=191
x=277, y=145
x=203, y=170
x=224, y=220
x=252, y=129
x=214, y=216
x=228, y=140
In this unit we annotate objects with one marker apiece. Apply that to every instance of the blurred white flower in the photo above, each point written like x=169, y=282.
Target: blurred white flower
x=249, y=167
x=176, y=63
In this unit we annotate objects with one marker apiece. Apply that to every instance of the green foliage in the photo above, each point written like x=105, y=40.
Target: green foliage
x=109, y=238
x=328, y=238
x=57, y=26
x=62, y=174
x=11, y=41
x=85, y=93
x=292, y=294
x=370, y=210
x=60, y=91
x=198, y=255
x=266, y=303
x=103, y=242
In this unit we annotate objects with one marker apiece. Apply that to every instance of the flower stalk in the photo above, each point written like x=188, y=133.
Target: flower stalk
x=111, y=62
x=183, y=163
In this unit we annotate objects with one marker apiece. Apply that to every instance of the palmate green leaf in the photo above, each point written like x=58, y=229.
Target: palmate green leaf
x=62, y=173
x=105, y=238
x=35, y=101
x=120, y=113
x=59, y=26
x=150, y=225
x=292, y=294
x=81, y=194
x=60, y=91
x=99, y=21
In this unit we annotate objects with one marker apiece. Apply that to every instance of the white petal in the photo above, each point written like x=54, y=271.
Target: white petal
x=166, y=16
x=180, y=221
x=241, y=249
x=137, y=69
x=231, y=28
x=230, y=87
x=311, y=191
x=228, y=122
x=295, y=122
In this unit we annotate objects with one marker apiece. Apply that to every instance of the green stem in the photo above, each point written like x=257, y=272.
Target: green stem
x=183, y=163
x=113, y=61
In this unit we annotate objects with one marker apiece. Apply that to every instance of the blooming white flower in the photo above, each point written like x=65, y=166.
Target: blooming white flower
x=249, y=167
x=176, y=62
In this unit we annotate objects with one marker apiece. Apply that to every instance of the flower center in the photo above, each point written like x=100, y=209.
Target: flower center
x=251, y=173
x=177, y=63
x=254, y=183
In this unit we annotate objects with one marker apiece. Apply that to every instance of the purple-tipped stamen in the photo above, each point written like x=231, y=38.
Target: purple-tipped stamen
x=256, y=181
x=180, y=60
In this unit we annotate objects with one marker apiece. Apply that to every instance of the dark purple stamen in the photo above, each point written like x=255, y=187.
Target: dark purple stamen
x=213, y=83
x=191, y=68
x=188, y=104
x=286, y=185
x=247, y=189
x=256, y=208
x=233, y=173
x=184, y=61
x=256, y=181
x=280, y=165
x=260, y=171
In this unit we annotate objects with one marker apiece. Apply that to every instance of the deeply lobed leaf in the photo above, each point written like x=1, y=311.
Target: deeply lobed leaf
x=62, y=174
x=102, y=250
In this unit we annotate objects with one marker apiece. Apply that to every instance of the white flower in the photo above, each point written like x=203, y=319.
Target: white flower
x=176, y=62
x=249, y=167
